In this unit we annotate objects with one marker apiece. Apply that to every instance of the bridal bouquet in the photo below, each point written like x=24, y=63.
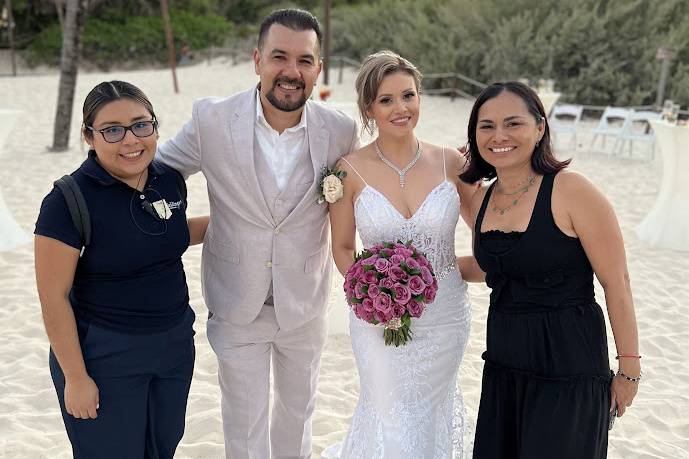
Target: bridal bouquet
x=387, y=285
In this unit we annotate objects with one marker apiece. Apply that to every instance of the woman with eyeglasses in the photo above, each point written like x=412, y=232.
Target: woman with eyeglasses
x=116, y=309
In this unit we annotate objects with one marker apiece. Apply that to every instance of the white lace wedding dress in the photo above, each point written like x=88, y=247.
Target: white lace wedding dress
x=409, y=403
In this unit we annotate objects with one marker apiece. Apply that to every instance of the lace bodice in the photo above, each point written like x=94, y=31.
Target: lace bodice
x=431, y=229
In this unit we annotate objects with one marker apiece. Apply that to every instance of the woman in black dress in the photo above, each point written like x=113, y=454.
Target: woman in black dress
x=540, y=234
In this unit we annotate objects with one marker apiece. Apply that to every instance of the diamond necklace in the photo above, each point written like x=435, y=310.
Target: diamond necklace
x=402, y=172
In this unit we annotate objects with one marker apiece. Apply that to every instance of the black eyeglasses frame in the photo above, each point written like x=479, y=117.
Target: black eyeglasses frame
x=153, y=122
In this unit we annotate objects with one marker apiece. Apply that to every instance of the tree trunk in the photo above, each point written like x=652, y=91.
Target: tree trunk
x=170, y=43
x=59, y=7
x=69, y=64
x=10, y=34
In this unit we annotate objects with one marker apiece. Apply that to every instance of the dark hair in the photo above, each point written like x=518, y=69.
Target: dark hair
x=292, y=18
x=109, y=91
x=542, y=159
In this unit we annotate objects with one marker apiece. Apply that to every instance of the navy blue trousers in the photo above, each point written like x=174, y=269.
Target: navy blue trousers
x=143, y=383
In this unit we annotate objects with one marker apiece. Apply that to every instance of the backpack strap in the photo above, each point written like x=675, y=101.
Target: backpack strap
x=77, y=206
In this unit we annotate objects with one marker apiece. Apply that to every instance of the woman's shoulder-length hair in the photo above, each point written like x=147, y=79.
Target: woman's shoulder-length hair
x=543, y=160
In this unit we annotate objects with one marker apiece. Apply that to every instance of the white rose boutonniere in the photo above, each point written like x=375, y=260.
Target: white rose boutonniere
x=330, y=187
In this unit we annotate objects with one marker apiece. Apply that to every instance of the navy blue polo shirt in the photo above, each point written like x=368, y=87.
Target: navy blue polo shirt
x=130, y=278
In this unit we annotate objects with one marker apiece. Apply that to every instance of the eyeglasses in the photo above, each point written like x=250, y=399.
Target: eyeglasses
x=114, y=134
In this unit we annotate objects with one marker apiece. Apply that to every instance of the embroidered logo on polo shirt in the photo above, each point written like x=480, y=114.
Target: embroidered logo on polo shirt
x=175, y=205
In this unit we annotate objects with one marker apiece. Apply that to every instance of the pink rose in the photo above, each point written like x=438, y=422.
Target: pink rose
x=399, y=310
x=349, y=291
x=367, y=305
x=375, y=249
x=426, y=275
x=358, y=311
x=429, y=294
x=385, y=253
x=370, y=277
x=396, y=273
x=383, y=303
x=379, y=316
x=412, y=264
x=373, y=291
x=416, y=285
x=367, y=316
x=359, y=290
x=415, y=308
x=396, y=259
x=402, y=293
x=382, y=265
x=423, y=261
x=386, y=282
x=370, y=261
x=405, y=252
x=359, y=270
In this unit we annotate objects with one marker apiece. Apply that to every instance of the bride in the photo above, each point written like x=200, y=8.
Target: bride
x=401, y=188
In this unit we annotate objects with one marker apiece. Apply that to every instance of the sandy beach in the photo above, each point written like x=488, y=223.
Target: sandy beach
x=657, y=426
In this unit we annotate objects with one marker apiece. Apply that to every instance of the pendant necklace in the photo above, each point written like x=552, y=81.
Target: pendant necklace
x=401, y=172
x=521, y=192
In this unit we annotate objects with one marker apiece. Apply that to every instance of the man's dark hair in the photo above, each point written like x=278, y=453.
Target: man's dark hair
x=292, y=18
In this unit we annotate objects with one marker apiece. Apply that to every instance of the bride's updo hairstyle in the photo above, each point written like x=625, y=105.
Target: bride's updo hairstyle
x=372, y=72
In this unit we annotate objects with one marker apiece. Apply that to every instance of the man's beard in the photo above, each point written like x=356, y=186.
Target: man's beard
x=287, y=105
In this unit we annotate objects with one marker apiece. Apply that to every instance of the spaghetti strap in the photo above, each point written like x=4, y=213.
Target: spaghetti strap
x=444, y=166
x=355, y=171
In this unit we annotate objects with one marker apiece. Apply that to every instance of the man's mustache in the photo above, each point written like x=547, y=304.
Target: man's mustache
x=291, y=81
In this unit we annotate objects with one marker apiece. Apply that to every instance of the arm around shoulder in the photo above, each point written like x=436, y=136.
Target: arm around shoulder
x=183, y=151
x=342, y=221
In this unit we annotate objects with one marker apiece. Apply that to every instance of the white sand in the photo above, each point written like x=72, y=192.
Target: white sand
x=30, y=424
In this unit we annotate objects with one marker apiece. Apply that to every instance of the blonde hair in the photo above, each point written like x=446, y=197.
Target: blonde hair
x=372, y=72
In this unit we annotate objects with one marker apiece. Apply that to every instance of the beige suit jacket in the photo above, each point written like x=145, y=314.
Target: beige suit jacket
x=244, y=249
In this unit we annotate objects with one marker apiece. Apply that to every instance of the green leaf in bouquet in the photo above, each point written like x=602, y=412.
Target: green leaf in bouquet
x=356, y=300
x=420, y=298
x=406, y=319
x=398, y=337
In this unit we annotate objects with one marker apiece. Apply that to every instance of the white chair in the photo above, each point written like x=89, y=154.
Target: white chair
x=564, y=119
x=611, y=123
x=637, y=129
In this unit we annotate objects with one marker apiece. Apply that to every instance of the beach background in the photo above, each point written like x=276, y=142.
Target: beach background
x=656, y=426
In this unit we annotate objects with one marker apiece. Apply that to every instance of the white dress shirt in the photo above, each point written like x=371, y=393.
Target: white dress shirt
x=281, y=151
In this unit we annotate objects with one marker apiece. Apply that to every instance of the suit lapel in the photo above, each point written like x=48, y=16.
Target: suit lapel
x=242, y=128
x=318, y=150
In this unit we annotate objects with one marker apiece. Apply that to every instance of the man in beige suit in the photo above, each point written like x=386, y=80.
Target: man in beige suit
x=266, y=258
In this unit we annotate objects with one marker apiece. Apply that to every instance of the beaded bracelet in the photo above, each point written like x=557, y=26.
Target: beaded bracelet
x=631, y=356
x=629, y=378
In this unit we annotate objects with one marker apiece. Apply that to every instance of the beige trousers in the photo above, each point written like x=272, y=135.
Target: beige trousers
x=244, y=362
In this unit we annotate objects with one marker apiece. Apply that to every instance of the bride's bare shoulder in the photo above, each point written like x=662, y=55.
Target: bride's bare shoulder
x=359, y=156
x=454, y=159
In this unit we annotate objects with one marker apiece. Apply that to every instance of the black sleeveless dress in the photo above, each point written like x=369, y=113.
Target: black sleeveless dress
x=546, y=377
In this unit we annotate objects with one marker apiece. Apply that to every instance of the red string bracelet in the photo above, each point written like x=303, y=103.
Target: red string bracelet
x=628, y=356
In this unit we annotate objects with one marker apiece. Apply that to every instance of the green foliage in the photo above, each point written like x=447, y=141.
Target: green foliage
x=597, y=51
x=122, y=39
